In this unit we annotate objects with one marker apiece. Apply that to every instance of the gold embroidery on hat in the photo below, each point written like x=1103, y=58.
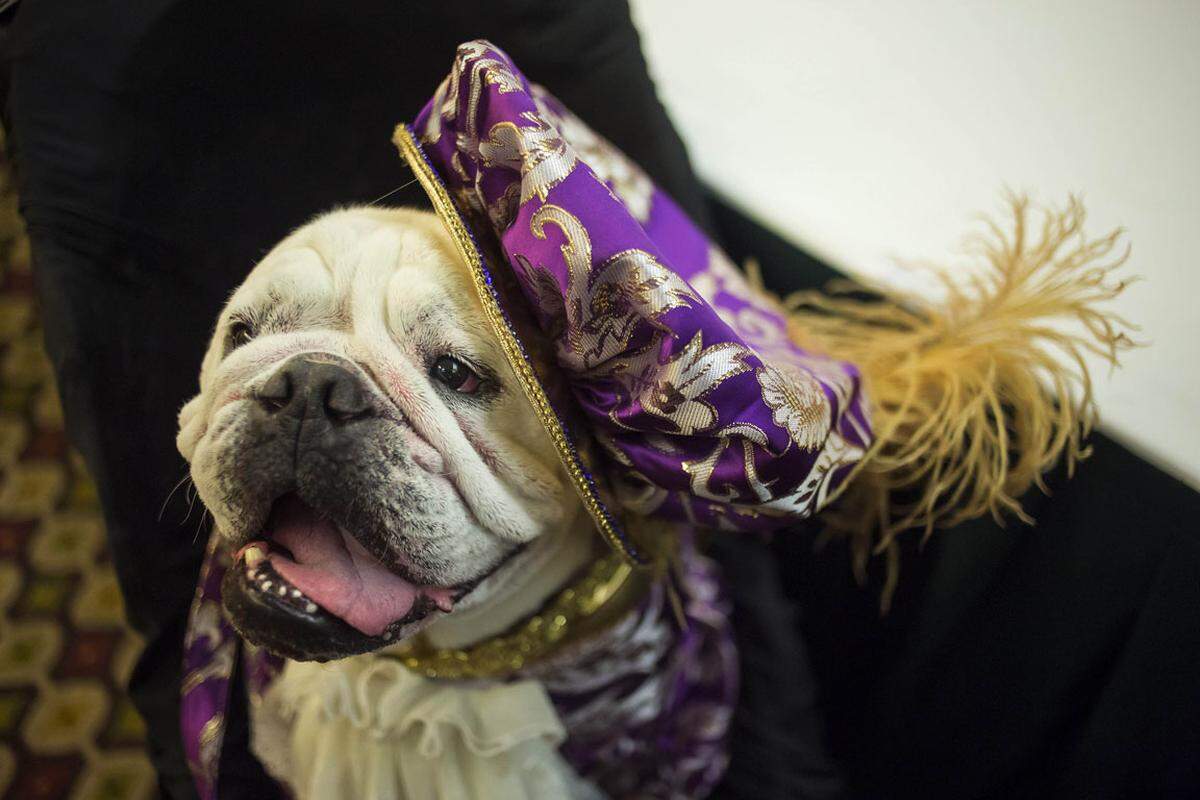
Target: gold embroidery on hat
x=603, y=306
x=536, y=151
x=675, y=390
x=484, y=71
x=624, y=179
x=798, y=404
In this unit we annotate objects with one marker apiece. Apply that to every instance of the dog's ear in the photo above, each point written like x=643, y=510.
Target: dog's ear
x=193, y=415
x=191, y=426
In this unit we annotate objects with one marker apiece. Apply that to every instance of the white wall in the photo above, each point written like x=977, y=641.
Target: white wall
x=868, y=131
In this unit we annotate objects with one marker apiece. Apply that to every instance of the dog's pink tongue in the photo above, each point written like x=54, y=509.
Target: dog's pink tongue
x=336, y=572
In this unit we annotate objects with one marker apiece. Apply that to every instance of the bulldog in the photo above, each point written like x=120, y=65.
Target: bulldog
x=373, y=466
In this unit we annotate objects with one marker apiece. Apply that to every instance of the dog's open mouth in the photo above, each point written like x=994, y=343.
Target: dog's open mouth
x=308, y=589
x=316, y=562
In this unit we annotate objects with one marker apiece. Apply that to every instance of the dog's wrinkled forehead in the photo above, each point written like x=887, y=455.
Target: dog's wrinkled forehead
x=379, y=274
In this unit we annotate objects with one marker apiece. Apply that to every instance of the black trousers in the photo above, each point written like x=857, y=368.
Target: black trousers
x=163, y=146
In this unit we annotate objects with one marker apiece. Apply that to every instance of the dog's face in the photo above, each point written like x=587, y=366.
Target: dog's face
x=361, y=441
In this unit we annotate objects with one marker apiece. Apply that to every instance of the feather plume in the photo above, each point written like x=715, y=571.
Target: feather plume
x=977, y=396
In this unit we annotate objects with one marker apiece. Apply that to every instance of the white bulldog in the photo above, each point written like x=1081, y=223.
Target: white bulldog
x=367, y=454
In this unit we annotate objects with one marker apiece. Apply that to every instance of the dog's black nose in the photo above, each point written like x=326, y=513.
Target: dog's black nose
x=305, y=387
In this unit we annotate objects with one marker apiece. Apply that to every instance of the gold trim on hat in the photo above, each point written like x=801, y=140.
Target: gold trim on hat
x=452, y=219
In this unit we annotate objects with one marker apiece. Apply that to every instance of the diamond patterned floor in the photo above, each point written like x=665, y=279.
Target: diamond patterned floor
x=67, y=729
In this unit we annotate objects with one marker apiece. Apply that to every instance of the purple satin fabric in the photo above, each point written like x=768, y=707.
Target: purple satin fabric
x=647, y=704
x=705, y=411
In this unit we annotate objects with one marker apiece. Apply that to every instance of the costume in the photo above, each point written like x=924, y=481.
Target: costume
x=683, y=399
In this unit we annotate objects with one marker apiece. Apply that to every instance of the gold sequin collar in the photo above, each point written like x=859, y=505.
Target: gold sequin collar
x=608, y=589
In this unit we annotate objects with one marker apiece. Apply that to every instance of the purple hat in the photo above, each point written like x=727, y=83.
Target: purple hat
x=688, y=400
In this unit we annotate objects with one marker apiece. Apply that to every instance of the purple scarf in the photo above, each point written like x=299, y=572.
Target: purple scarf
x=647, y=706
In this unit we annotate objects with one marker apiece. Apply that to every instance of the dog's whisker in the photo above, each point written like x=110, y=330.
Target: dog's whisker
x=199, y=527
x=187, y=476
x=191, y=505
x=392, y=192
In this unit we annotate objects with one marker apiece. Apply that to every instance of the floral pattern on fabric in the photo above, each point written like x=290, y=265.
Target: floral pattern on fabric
x=682, y=370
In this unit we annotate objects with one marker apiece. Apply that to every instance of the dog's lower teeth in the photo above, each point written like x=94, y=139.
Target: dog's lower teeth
x=266, y=585
x=295, y=592
x=282, y=591
x=311, y=608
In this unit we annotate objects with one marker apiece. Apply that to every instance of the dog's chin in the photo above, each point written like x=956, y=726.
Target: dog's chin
x=308, y=590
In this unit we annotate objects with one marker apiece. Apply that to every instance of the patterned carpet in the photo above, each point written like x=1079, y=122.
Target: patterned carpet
x=67, y=729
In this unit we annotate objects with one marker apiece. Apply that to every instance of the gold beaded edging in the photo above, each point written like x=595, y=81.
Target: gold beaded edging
x=607, y=590
x=450, y=217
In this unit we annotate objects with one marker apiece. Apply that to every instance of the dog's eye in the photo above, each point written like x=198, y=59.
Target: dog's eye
x=240, y=332
x=453, y=373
